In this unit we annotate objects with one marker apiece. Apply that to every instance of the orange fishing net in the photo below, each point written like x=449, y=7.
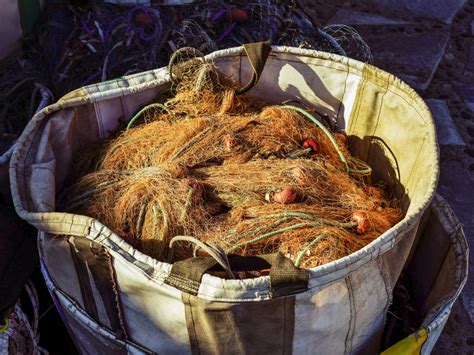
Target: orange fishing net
x=234, y=172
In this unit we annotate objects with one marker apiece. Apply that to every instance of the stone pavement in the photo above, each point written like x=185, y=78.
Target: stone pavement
x=440, y=10
x=445, y=127
x=430, y=45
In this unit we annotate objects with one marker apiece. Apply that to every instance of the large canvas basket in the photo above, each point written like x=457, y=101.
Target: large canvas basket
x=116, y=299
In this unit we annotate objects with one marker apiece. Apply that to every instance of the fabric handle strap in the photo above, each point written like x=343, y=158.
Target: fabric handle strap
x=285, y=277
x=257, y=54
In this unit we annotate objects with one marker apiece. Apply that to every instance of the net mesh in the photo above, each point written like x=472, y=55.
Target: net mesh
x=234, y=172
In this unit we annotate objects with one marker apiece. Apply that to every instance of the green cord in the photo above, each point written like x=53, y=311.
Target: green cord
x=259, y=229
x=300, y=154
x=187, y=205
x=141, y=218
x=155, y=219
x=146, y=108
x=82, y=198
x=172, y=101
x=190, y=143
x=300, y=256
x=159, y=246
x=331, y=138
x=267, y=235
x=5, y=326
x=165, y=226
x=287, y=214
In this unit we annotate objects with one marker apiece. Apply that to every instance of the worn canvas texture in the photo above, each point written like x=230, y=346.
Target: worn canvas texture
x=344, y=306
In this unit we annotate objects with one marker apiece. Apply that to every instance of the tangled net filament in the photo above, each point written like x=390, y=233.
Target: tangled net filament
x=236, y=173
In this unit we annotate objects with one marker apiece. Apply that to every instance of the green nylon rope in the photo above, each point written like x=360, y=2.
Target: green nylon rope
x=287, y=214
x=300, y=256
x=262, y=228
x=300, y=154
x=289, y=228
x=331, y=138
x=190, y=143
x=82, y=198
x=6, y=324
x=267, y=235
x=143, y=110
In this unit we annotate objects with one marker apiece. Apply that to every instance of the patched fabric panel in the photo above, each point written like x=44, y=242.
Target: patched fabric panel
x=264, y=327
x=323, y=320
x=56, y=253
x=371, y=293
x=153, y=312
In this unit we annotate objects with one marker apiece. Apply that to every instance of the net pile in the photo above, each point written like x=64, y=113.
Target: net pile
x=76, y=46
x=234, y=172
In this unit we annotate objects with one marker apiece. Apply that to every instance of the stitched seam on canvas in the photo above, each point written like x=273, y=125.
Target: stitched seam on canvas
x=350, y=330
